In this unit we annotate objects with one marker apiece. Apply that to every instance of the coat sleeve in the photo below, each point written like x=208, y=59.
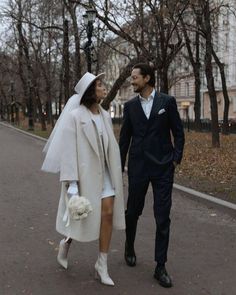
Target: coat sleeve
x=69, y=156
x=177, y=130
x=125, y=136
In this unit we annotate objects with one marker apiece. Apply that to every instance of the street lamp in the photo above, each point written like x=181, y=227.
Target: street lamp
x=89, y=18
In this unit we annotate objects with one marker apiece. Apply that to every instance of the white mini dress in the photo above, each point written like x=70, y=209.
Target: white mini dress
x=108, y=190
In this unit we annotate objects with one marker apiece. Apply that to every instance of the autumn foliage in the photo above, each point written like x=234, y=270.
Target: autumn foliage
x=207, y=169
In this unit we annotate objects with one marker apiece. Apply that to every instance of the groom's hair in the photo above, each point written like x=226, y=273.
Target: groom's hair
x=146, y=69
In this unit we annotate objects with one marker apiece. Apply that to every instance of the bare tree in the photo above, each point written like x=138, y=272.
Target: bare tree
x=193, y=49
x=150, y=28
x=72, y=8
x=206, y=27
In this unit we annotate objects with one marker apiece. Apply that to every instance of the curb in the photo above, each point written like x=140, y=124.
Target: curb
x=176, y=186
x=205, y=196
x=22, y=131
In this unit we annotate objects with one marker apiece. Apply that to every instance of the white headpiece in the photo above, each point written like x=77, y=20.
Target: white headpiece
x=54, y=144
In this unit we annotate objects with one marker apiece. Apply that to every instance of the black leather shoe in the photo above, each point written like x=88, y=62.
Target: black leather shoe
x=162, y=277
x=130, y=256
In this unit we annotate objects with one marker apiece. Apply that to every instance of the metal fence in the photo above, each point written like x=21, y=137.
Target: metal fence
x=190, y=125
x=206, y=126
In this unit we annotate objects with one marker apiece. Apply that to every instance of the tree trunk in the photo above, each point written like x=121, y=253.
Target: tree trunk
x=210, y=79
x=3, y=104
x=66, y=61
x=118, y=83
x=225, y=128
x=31, y=83
x=197, y=103
x=164, y=85
x=60, y=92
x=41, y=115
x=77, y=64
x=21, y=69
x=196, y=70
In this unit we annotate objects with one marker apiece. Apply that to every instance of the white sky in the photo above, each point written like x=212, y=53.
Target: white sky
x=2, y=22
x=2, y=2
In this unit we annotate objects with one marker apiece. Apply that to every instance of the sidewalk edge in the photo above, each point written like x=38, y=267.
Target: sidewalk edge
x=22, y=131
x=205, y=196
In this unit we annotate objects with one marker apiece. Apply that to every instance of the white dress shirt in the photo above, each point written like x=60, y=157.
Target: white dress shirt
x=147, y=103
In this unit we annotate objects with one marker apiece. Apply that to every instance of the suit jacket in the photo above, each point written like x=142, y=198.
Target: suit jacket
x=149, y=141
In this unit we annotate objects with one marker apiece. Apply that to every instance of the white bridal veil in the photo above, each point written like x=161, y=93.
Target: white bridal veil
x=56, y=141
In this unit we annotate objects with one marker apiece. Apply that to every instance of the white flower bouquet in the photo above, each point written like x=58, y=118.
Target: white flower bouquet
x=79, y=207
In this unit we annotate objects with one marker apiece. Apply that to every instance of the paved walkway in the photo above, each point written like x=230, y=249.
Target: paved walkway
x=202, y=254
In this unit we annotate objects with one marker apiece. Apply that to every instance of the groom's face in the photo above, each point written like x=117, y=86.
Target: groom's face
x=138, y=81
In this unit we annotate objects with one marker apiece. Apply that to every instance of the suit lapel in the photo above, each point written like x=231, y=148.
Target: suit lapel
x=157, y=104
x=138, y=109
x=89, y=129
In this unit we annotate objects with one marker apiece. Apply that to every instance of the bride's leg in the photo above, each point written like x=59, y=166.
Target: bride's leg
x=104, y=240
x=63, y=252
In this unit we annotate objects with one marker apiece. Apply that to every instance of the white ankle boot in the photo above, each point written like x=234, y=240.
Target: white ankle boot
x=63, y=252
x=101, y=270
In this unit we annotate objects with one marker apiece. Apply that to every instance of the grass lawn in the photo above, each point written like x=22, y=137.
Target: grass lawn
x=37, y=129
x=209, y=170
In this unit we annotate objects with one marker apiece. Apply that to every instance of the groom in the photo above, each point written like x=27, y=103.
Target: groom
x=149, y=121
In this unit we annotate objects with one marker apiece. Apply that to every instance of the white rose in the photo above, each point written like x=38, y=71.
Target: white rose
x=79, y=207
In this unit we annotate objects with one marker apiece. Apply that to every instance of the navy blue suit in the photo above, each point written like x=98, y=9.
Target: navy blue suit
x=150, y=160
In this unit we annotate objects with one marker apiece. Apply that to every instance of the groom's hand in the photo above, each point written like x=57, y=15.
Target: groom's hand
x=175, y=163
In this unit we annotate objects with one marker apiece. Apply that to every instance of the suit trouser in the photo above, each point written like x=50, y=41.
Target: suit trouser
x=162, y=190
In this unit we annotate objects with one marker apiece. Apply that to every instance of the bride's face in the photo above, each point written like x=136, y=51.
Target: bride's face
x=100, y=91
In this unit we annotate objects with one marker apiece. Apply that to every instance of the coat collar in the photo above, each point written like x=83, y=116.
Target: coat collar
x=89, y=128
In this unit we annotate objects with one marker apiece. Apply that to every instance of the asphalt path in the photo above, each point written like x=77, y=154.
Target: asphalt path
x=202, y=252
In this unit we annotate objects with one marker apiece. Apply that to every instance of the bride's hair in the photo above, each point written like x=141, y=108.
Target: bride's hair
x=89, y=97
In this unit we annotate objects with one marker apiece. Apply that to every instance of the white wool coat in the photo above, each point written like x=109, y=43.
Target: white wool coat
x=82, y=160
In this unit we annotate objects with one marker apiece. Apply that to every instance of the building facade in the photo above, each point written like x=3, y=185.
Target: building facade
x=224, y=39
x=181, y=78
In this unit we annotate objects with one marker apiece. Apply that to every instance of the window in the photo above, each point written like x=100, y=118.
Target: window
x=234, y=103
x=215, y=72
x=226, y=72
x=187, y=89
x=235, y=72
x=226, y=41
x=216, y=42
x=177, y=90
